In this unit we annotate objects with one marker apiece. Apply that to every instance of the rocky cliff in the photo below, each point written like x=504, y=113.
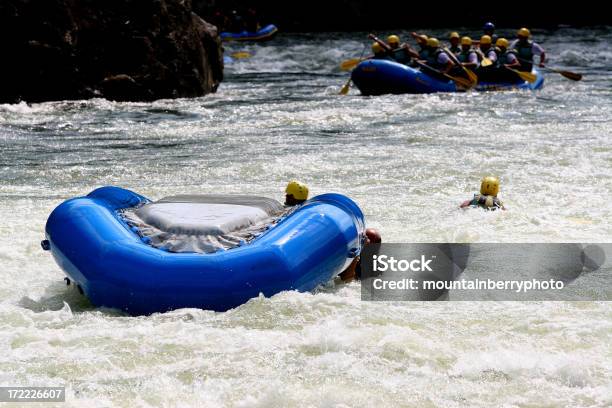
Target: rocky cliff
x=126, y=50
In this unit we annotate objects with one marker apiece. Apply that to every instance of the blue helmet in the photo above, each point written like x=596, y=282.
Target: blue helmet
x=489, y=26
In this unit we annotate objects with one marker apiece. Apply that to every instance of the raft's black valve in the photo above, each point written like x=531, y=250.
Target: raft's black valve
x=45, y=244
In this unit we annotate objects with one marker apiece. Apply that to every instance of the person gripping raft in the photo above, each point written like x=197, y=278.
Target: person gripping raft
x=295, y=193
x=487, y=199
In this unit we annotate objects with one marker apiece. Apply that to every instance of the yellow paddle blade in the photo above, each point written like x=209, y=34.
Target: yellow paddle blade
x=486, y=62
x=241, y=54
x=471, y=76
x=526, y=76
x=349, y=64
x=346, y=87
x=462, y=82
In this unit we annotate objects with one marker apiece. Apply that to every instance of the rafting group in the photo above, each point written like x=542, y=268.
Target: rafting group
x=491, y=58
x=489, y=63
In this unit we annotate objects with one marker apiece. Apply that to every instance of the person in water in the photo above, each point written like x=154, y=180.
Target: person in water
x=453, y=39
x=353, y=271
x=295, y=193
x=487, y=199
x=467, y=56
x=527, y=49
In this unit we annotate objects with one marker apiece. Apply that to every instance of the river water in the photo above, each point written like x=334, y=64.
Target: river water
x=407, y=160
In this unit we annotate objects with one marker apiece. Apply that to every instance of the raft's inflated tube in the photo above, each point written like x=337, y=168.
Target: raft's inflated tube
x=378, y=77
x=263, y=34
x=101, y=253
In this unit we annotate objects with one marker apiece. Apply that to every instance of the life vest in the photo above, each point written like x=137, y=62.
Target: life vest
x=455, y=50
x=464, y=56
x=486, y=201
x=524, y=52
x=401, y=55
x=502, y=57
x=424, y=53
x=432, y=58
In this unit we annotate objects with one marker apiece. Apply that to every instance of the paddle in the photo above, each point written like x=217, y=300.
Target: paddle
x=473, y=78
x=350, y=64
x=460, y=82
x=241, y=54
x=485, y=61
x=567, y=74
x=525, y=76
x=345, y=89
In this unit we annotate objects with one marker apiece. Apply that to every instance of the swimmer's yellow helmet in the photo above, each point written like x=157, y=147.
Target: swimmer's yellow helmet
x=298, y=190
x=485, y=39
x=376, y=48
x=454, y=34
x=489, y=186
x=466, y=41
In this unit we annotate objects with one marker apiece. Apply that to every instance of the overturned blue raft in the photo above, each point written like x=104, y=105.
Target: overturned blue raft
x=378, y=77
x=263, y=34
x=115, y=266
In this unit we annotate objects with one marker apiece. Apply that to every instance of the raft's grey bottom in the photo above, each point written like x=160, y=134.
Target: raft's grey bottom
x=203, y=223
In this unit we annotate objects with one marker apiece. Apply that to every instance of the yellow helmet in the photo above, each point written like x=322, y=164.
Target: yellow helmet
x=376, y=48
x=502, y=42
x=298, y=190
x=489, y=186
x=433, y=42
x=485, y=39
x=393, y=39
x=454, y=34
x=466, y=41
x=523, y=32
x=422, y=39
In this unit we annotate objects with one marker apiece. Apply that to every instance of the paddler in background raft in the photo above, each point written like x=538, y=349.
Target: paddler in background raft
x=295, y=193
x=526, y=49
x=453, y=39
x=400, y=52
x=487, y=199
x=421, y=40
x=489, y=29
x=379, y=52
x=467, y=56
x=506, y=61
x=437, y=57
x=486, y=72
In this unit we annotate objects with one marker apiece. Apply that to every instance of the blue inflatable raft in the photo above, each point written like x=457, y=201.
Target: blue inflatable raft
x=263, y=34
x=115, y=265
x=378, y=77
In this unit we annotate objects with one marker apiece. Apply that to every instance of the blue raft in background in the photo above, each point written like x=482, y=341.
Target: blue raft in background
x=263, y=34
x=116, y=267
x=379, y=77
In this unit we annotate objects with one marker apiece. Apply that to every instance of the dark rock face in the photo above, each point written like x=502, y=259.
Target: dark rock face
x=127, y=50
